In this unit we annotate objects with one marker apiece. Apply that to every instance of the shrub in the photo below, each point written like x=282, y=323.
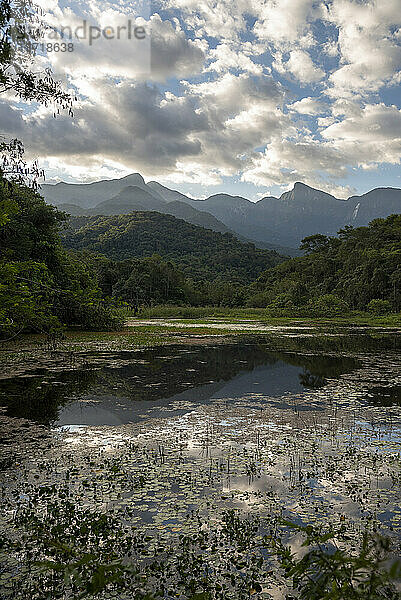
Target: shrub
x=379, y=307
x=329, y=571
x=98, y=317
x=328, y=305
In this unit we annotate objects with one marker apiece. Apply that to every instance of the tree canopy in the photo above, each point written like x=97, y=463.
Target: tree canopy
x=21, y=28
x=202, y=254
x=41, y=285
x=358, y=266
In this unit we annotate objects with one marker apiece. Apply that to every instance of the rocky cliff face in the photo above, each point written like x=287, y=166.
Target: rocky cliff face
x=378, y=203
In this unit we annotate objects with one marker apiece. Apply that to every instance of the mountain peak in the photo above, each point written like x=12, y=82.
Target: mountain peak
x=299, y=185
x=133, y=179
x=304, y=193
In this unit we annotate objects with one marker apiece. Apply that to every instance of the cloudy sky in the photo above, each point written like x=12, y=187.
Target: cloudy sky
x=245, y=96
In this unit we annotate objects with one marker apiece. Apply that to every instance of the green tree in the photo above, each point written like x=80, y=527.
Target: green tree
x=328, y=305
x=42, y=286
x=315, y=243
x=21, y=27
x=379, y=307
x=358, y=266
x=31, y=231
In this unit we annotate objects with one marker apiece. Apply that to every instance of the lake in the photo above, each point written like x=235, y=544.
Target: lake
x=302, y=425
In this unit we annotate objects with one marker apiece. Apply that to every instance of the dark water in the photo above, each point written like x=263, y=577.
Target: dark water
x=134, y=382
x=386, y=395
x=128, y=386
x=303, y=425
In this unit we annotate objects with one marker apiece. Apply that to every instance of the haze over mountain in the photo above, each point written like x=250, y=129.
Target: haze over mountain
x=135, y=198
x=87, y=195
x=272, y=222
x=128, y=199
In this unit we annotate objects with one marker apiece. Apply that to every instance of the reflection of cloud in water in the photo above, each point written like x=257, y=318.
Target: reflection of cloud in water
x=230, y=443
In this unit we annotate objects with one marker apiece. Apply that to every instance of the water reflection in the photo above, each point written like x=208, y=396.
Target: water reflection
x=122, y=391
x=305, y=426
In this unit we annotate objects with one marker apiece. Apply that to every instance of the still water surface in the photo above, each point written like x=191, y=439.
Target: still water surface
x=145, y=384
x=306, y=426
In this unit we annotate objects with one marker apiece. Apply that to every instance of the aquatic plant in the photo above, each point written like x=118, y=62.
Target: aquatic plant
x=329, y=570
x=61, y=550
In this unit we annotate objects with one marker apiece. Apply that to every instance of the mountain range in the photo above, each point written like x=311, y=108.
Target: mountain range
x=278, y=223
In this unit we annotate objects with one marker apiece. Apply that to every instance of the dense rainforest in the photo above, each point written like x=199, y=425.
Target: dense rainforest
x=56, y=271
x=358, y=270
x=42, y=286
x=201, y=254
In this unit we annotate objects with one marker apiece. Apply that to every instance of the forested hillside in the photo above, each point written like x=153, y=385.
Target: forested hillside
x=360, y=269
x=202, y=254
x=270, y=222
x=149, y=258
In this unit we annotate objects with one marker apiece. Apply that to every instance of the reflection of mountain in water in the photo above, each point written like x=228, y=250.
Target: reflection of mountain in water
x=313, y=382
x=121, y=392
x=272, y=380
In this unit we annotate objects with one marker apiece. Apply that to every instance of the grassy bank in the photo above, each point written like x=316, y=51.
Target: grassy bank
x=197, y=314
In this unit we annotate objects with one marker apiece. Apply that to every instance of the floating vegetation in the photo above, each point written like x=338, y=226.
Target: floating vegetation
x=182, y=501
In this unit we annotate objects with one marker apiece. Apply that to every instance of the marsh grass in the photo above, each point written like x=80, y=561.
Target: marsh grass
x=263, y=315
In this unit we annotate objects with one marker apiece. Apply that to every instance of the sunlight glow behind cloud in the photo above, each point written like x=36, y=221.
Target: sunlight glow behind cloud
x=264, y=91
